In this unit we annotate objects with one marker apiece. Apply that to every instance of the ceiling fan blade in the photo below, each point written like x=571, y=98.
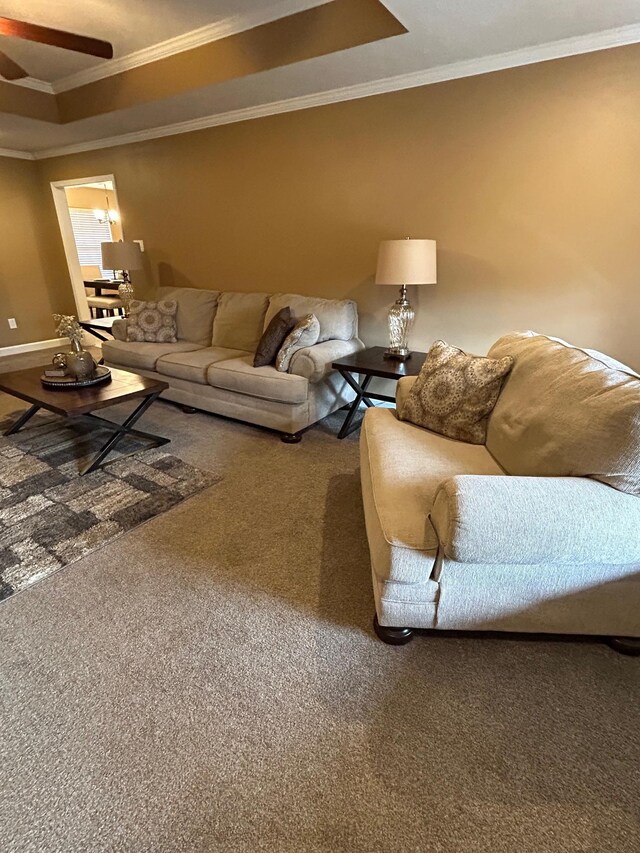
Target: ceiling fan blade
x=57, y=38
x=9, y=69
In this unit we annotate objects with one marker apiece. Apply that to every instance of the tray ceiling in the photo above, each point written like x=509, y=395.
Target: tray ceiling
x=130, y=25
x=445, y=39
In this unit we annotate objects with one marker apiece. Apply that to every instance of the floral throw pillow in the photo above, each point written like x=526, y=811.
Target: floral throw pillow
x=455, y=393
x=304, y=334
x=153, y=322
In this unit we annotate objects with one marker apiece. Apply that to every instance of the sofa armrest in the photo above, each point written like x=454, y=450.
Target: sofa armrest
x=403, y=387
x=119, y=329
x=534, y=520
x=314, y=363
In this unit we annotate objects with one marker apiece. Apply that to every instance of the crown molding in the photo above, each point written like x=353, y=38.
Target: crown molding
x=498, y=62
x=187, y=41
x=18, y=155
x=32, y=83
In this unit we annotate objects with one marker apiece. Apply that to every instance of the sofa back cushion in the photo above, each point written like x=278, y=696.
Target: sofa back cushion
x=239, y=320
x=196, y=310
x=566, y=412
x=338, y=318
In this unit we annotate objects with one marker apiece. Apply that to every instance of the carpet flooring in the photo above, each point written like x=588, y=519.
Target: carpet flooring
x=210, y=682
x=50, y=516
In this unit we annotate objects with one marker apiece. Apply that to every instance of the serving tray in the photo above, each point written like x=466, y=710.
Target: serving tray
x=102, y=374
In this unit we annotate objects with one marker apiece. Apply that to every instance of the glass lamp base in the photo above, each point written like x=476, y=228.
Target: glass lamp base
x=397, y=354
x=401, y=317
x=126, y=294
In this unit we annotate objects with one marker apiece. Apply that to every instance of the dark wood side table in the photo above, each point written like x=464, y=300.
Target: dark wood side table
x=366, y=364
x=98, y=326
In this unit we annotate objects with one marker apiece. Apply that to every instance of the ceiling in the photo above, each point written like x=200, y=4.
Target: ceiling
x=445, y=39
x=130, y=25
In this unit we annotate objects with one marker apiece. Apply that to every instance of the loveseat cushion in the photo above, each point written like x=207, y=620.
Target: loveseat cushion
x=407, y=465
x=239, y=374
x=192, y=366
x=141, y=355
x=566, y=412
x=239, y=320
x=196, y=310
x=338, y=318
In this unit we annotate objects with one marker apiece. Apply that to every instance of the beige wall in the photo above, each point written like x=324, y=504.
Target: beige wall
x=528, y=179
x=30, y=289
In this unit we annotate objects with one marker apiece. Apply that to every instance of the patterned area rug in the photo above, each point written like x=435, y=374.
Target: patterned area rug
x=50, y=516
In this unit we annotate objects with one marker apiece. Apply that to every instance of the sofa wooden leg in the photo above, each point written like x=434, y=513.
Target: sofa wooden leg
x=625, y=645
x=291, y=437
x=188, y=410
x=392, y=636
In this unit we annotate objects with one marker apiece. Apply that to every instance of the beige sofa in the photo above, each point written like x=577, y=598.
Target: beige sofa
x=211, y=365
x=538, y=531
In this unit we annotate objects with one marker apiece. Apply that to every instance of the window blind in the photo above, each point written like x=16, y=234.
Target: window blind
x=89, y=234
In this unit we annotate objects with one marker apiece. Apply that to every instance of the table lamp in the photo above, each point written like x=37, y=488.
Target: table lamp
x=124, y=255
x=403, y=262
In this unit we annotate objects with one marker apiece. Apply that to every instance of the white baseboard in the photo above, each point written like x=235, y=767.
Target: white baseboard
x=36, y=345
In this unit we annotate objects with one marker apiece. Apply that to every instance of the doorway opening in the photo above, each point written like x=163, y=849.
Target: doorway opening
x=89, y=215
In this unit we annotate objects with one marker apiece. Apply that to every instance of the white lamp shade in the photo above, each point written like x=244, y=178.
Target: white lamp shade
x=125, y=255
x=406, y=262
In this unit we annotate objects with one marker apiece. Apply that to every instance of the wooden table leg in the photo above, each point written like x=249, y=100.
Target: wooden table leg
x=347, y=428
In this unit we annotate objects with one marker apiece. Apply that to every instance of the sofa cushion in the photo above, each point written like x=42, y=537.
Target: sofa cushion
x=119, y=329
x=196, y=310
x=566, y=412
x=338, y=318
x=239, y=374
x=407, y=465
x=239, y=320
x=141, y=355
x=192, y=366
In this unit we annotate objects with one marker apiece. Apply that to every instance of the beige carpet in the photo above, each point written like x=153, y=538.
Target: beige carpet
x=210, y=682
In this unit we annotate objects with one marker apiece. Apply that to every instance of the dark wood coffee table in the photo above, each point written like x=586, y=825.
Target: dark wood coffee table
x=366, y=364
x=81, y=402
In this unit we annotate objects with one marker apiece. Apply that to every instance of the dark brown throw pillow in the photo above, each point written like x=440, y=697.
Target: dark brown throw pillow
x=273, y=337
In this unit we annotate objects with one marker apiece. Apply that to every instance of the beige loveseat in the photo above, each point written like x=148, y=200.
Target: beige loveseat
x=211, y=365
x=538, y=531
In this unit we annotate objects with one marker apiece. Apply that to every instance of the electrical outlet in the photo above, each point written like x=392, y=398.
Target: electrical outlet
x=12, y=323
